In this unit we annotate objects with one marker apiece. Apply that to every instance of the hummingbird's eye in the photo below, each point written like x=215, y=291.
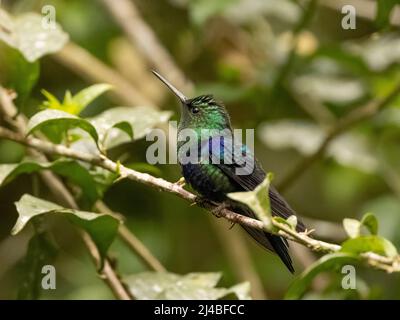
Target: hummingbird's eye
x=195, y=110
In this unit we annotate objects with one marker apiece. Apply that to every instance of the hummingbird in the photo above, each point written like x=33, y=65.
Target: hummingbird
x=213, y=180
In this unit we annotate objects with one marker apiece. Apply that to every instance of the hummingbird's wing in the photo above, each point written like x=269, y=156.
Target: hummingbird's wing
x=250, y=176
x=229, y=157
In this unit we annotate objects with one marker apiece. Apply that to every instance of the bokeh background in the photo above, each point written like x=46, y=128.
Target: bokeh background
x=285, y=68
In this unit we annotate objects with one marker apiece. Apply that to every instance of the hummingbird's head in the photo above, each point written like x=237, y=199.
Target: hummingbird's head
x=202, y=112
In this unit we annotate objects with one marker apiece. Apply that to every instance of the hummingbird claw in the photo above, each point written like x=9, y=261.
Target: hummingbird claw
x=218, y=209
x=200, y=201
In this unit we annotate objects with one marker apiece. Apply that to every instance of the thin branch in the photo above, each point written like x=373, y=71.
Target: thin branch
x=145, y=40
x=83, y=63
x=108, y=274
x=353, y=118
x=89, y=67
x=63, y=194
x=58, y=189
x=134, y=243
x=381, y=262
x=143, y=37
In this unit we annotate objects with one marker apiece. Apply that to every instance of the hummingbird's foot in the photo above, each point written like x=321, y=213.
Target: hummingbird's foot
x=200, y=201
x=181, y=182
x=218, y=209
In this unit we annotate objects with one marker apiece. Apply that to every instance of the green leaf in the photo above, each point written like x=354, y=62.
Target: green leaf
x=103, y=178
x=257, y=200
x=52, y=102
x=77, y=103
x=328, y=262
x=122, y=124
x=41, y=251
x=375, y=244
x=386, y=208
x=384, y=9
x=27, y=34
x=370, y=222
x=292, y=221
x=353, y=226
x=87, y=95
x=64, y=167
x=102, y=228
x=19, y=74
x=193, y=286
x=125, y=127
x=56, y=123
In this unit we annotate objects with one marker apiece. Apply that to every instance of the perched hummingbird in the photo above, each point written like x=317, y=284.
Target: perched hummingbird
x=215, y=179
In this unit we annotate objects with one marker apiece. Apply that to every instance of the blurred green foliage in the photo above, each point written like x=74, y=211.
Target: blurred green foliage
x=288, y=84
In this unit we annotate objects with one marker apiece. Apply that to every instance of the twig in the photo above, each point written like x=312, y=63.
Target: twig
x=65, y=196
x=354, y=117
x=89, y=67
x=108, y=274
x=375, y=260
x=143, y=37
x=146, y=41
x=134, y=243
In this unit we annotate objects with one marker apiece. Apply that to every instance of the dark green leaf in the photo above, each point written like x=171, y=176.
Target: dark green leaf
x=375, y=244
x=370, y=222
x=41, y=251
x=329, y=262
x=64, y=167
x=126, y=127
x=353, y=226
x=59, y=122
x=19, y=74
x=384, y=10
x=102, y=228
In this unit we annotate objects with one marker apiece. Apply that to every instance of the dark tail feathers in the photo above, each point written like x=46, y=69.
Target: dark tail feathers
x=273, y=243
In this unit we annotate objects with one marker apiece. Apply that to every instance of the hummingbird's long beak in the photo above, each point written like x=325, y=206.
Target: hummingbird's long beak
x=179, y=94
